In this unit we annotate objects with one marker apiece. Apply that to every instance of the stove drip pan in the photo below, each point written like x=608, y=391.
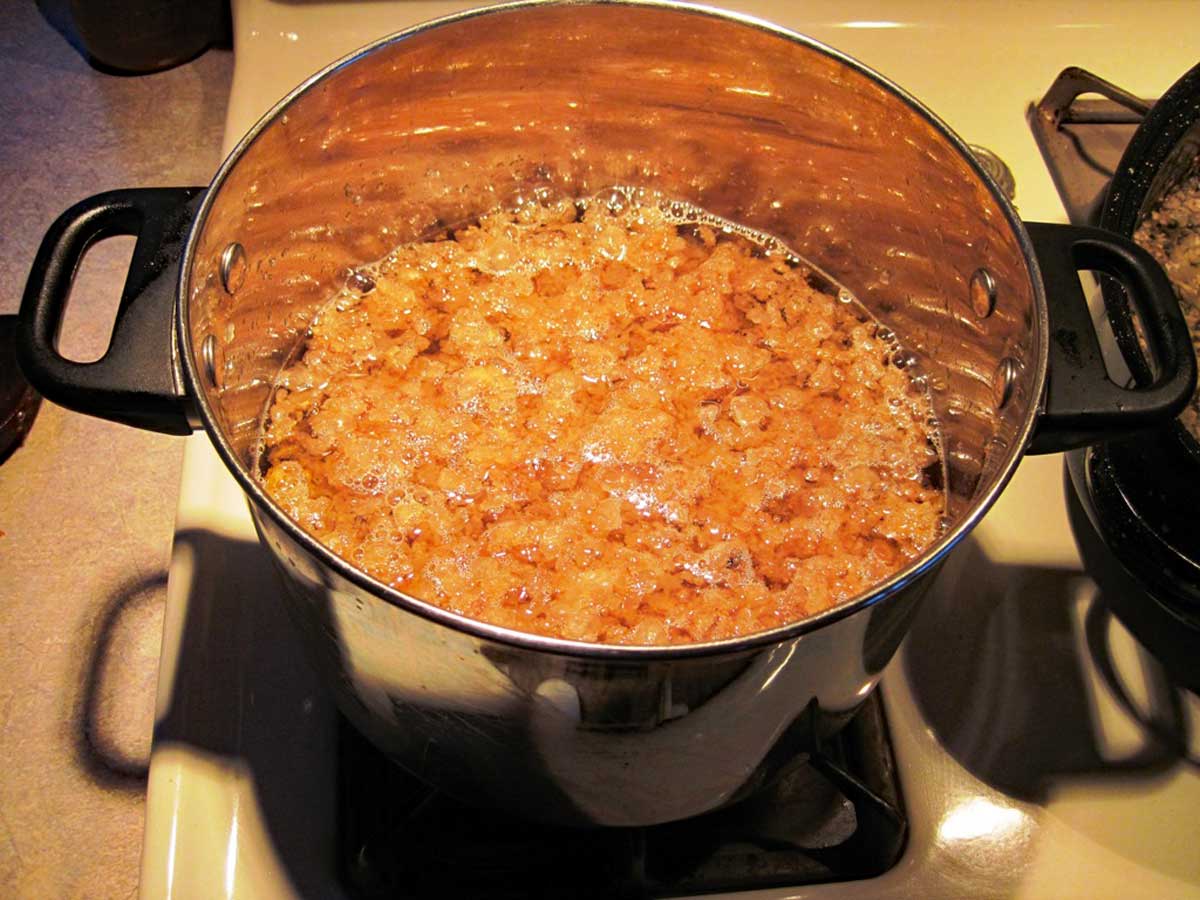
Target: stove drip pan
x=832, y=816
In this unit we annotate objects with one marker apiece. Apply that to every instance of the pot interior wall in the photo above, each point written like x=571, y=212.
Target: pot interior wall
x=434, y=128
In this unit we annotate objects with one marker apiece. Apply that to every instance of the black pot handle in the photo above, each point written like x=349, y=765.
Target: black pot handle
x=138, y=381
x=1082, y=405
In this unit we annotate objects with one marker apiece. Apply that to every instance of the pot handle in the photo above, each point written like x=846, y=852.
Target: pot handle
x=138, y=380
x=1082, y=405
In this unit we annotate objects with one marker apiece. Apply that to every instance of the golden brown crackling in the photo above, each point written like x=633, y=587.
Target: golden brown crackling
x=600, y=428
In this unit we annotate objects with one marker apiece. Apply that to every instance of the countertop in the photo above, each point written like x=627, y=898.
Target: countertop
x=86, y=507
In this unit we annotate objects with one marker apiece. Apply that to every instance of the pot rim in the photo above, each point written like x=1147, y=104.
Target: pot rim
x=922, y=566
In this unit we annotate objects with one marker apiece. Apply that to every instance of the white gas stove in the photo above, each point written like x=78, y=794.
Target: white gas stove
x=1021, y=773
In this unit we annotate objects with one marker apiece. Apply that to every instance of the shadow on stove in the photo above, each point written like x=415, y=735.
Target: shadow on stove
x=998, y=661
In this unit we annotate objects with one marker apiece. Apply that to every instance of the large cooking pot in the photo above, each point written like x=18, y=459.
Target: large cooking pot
x=751, y=122
x=1136, y=498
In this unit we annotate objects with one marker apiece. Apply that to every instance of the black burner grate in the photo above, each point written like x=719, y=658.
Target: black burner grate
x=1082, y=126
x=836, y=816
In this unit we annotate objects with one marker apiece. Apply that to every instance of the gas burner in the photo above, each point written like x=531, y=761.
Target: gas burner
x=835, y=816
x=997, y=168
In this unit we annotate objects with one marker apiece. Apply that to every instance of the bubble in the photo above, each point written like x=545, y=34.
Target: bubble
x=360, y=281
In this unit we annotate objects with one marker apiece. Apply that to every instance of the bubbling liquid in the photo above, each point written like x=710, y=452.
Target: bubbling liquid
x=620, y=419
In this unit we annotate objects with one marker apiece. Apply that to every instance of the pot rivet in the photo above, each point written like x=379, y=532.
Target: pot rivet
x=233, y=267
x=983, y=293
x=1005, y=380
x=208, y=359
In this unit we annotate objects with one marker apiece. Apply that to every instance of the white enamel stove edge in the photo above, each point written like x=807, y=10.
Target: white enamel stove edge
x=245, y=738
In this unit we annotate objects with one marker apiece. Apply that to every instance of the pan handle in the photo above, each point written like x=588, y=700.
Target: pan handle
x=1082, y=405
x=138, y=380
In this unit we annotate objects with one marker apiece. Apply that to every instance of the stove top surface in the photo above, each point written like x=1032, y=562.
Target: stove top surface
x=1024, y=771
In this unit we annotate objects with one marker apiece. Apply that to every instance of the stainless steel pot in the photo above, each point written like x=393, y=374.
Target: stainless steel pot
x=748, y=121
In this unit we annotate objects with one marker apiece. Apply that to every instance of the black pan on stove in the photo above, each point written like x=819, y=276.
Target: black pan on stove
x=1139, y=497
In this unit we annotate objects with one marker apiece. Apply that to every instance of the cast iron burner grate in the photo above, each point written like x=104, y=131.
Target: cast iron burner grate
x=1082, y=126
x=833, y=816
